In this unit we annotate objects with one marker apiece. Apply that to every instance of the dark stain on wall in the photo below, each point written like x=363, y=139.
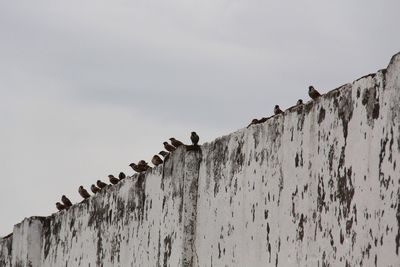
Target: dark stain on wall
x=99, y=247
x=321, y=194
x=345, y=188
x=216, y=160
x=371, y=102
x=398, y=222
x=300, y=228
x=167, y=250
x=321, y=115
x=345, y=108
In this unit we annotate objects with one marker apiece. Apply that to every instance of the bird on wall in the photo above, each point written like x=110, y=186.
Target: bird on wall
x=253, y=122
x=135, y=167
x=83, y=192
x=263, y=119
x=143, y=165
x=277, y=110
x=156, y=160
x=67, y=203
x=163, y=153
x=113, y=179
x=175, y=143
x=121, y=176
x=94, y=189
x=101, y=184
x=169, y=147
x=299, y=102
x=313, y=93
x=194, y=138
x=60, y=206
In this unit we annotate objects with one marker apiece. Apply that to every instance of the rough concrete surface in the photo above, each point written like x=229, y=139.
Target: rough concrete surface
x=315, y=186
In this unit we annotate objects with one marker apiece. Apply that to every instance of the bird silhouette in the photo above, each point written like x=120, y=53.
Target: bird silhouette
x=113, y=179
x=135, y=167
x=194, y=138
x=299, y=102
x=175, y=143
x=121, y=176
x=67, y=203
x=163, y=153
x=169, y=147
x=143, y=165
x=60, y=206
x=156, y=160
x=313, y=93
x=277, y=110
x=101, y=184
x=254, y=121
x=94, y=189
x=263, y=119
x=82, y=191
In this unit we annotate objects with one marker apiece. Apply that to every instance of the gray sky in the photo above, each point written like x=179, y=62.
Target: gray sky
x=86, y=87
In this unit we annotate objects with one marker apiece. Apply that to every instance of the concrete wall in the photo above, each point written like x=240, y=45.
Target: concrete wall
x=316, y=186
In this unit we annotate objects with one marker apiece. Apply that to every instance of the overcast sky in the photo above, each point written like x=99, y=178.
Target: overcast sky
x=86, y=87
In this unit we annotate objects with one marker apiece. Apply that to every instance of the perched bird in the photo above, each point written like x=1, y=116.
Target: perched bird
x=263, y=119
x=113, y=179
x=135, y=167
x=194, y=138
x=254, y=121
x=175, y=143
x=67, y=203
x=163, y=153
x=143, y=165
x=277, y=110
x=299, y=102
x=60, y=206
x=121, y=176
x=94, y=189
x=314, y=94
x=156, y=160
x=101, y=184
x=169, y=147
x=82, y=191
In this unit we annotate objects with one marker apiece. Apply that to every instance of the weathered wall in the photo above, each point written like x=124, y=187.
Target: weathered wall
x=316, y=186
x=6, y=251
x=139, y=222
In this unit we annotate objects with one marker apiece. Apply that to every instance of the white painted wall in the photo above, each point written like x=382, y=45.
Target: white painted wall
x=316, y=186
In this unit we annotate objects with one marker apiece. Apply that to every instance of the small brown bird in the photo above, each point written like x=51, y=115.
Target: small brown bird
x=101, y=184
x=194, y=138
x=254, y=121
x=113, y=180
x=67, y=203
x=299, y=102
x=121, y=176
x=82, y=191
x=135, y=167
x=60, y=206
x=176, y=143
x=169, y=147
x=163, y=153
x=313, y=93
x=156, y=160
x=277, y=110
x=263, y=119
x=143, y=165
x=94, y=189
